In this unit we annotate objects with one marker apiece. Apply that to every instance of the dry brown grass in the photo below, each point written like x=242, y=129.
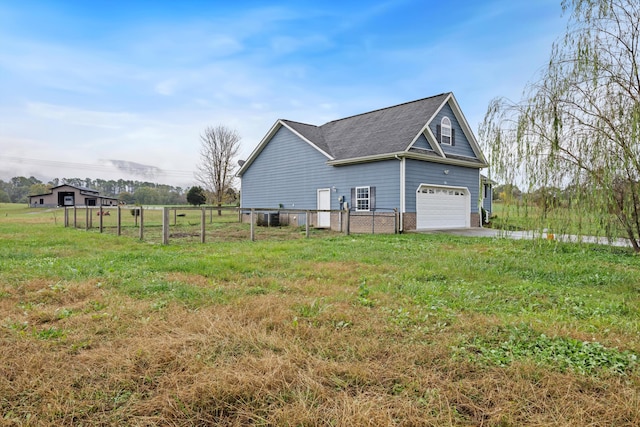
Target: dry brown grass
x=290, y=337
x=260, y=361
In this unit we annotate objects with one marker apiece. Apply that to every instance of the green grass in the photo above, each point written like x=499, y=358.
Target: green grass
x=557, y=220
x=339, y=328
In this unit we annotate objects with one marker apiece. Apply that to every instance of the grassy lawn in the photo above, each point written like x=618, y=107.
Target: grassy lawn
x=558, y=220
x=412, y=329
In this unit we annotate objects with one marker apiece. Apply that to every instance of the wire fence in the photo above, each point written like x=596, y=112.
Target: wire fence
x=224, y=223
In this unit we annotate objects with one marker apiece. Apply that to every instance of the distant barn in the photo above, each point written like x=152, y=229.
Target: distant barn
x=71, y=195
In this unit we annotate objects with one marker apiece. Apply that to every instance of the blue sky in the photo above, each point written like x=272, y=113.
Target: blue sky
x=86, y=82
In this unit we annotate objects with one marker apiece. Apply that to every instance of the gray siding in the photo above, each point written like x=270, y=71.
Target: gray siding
x=486, y=201
x=384, y=175
x=418, y=172
x=422, y=142
x=289, y=171
x=462, y=147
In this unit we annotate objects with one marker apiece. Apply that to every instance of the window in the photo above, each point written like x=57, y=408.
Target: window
x=445, y=131
x=362, y=198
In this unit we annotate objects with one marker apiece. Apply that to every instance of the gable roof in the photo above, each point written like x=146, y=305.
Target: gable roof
x=77, y=187
x=85, y=191
x=388, y=130
x=378, y=134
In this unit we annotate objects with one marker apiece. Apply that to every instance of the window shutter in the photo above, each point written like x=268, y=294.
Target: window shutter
x=352, y=205
x=453, y=137
x=438, y=133
x=372, y=198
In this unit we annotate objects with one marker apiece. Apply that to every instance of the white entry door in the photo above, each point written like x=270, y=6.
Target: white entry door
x=324, y=202
x=440, y=206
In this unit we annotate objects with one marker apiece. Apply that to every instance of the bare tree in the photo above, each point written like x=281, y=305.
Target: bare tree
x=216, y=170
x=578, y=127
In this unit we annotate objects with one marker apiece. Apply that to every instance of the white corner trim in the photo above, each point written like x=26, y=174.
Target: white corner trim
x=324, y=153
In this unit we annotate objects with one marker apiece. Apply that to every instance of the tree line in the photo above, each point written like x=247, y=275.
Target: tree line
x=216, y=173
x=19, y=188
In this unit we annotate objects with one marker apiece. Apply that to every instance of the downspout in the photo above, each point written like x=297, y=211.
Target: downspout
x=402, y=191
x=480, y=198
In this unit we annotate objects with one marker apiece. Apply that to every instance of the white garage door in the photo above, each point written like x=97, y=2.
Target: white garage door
x=440, y=207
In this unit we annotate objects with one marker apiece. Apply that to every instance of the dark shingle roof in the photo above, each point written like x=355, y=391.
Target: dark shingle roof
x=311, y=132
x=388, y=130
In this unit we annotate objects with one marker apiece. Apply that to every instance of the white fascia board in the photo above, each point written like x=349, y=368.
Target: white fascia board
x=404, y=154
x=367, y=159
x=466, y=128
x=426, y=131
x=277, y=125
x=451, y=99
x=445, y=161
x=324, y=153
x=432, y=139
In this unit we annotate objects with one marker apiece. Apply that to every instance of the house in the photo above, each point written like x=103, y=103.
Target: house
x=486, y=186
x=71, y=195
x=419, y=158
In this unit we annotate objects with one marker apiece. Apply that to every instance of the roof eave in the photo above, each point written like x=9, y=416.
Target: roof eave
x=265, y=140
x=414, y=156
x=366, y=159
x=462, y=120
x=447, y=161
x=299, y=135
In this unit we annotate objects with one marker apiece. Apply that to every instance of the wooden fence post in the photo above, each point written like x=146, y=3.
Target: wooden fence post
x=119, y=221
x=253, y=235
x=141, y=223
x=307, y=216
x=101, y=222
x=165, y=226
x=203, y=220
x=86, y=217
x=66, y=217
x=347, y=220
x=396, y=221
x=75, y=217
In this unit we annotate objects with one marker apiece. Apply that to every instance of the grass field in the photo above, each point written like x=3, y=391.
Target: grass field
x=558, y=220
x=409, y=330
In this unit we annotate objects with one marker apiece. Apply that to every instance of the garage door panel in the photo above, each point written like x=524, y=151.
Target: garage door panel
x=442, y=207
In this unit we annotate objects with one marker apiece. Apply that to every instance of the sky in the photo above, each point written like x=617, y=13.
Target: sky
x=124, y=89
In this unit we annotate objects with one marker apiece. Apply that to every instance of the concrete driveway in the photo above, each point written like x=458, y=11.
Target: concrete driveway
x=492, y=232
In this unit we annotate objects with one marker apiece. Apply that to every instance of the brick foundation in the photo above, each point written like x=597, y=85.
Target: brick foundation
x=381, y=223
x=409, y=221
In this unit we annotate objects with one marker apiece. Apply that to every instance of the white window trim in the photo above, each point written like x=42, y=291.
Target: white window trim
x=368, y=199
x=445, y=125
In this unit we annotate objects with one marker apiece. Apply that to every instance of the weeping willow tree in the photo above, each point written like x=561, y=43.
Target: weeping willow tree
x=577, y=127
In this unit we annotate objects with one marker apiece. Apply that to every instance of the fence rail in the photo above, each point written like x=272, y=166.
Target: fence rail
x=165, y=223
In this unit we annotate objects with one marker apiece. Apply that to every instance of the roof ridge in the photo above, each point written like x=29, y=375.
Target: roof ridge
x=385, y=108
x=300, y=123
